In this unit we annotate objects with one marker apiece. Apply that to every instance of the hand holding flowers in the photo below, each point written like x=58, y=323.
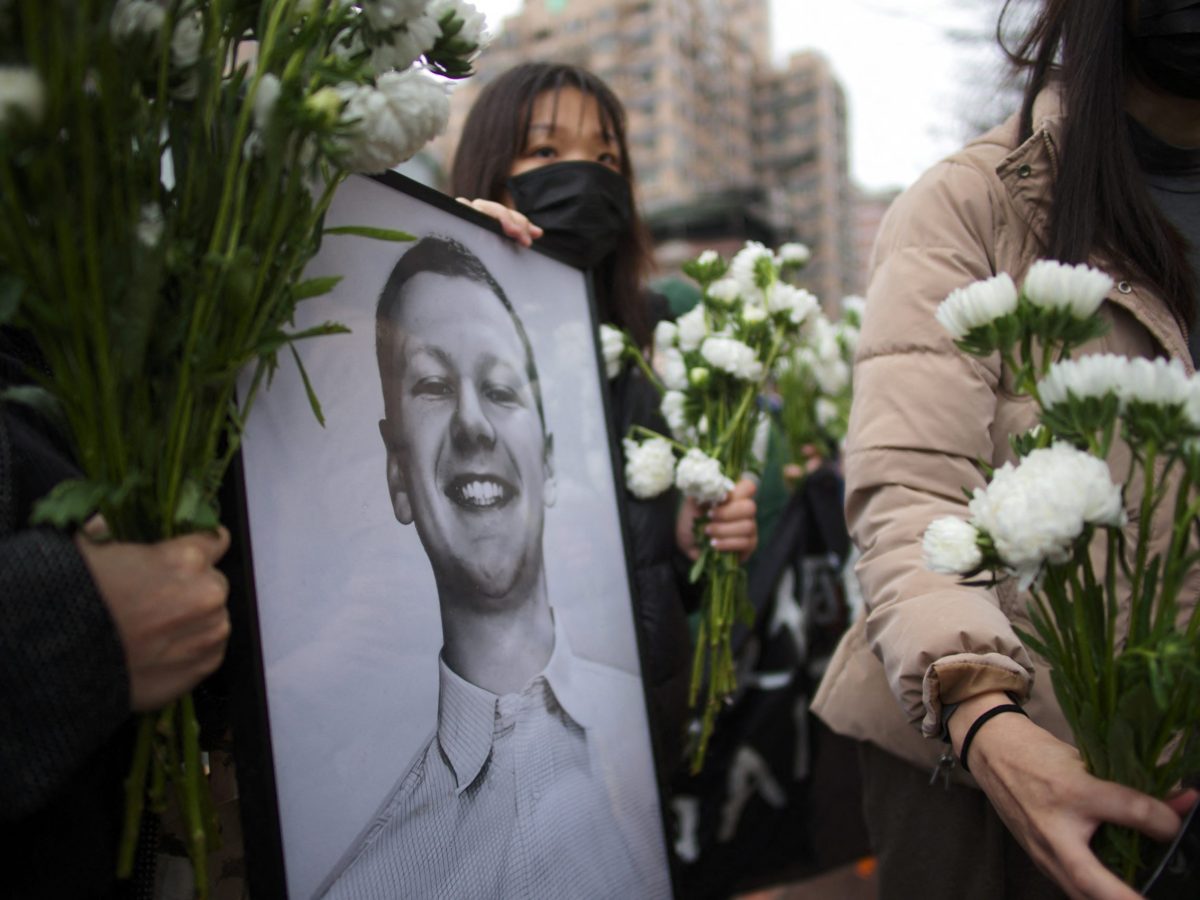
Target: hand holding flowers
x=710, y=367
x=165, y=166
x=1109, y=611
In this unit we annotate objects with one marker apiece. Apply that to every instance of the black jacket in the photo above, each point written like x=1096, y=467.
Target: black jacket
x=660, y=578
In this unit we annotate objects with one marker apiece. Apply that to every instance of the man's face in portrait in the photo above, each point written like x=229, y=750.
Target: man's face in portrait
x=467, y=456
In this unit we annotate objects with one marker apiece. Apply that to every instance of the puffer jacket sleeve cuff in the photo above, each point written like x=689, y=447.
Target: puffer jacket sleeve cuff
x=945, y=646
x=956, y=678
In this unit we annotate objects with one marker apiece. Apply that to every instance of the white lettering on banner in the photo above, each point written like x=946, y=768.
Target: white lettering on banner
x=687, y=818
x=748, y=775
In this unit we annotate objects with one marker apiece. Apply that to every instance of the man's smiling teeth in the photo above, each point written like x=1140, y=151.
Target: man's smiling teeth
x=481, y=493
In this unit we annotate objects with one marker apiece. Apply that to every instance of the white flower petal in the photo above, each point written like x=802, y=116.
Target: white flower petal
x=699, y=476
x=977, y=304
x=649, y=467
x=1056, y=285
x=950, y=546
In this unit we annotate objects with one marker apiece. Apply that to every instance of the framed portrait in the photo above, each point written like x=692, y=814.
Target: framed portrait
x=441, y=623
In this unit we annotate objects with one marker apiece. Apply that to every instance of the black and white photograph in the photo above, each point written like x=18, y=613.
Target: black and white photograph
x=446, y=624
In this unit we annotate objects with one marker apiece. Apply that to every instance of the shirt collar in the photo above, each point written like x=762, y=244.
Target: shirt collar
x=467, y=713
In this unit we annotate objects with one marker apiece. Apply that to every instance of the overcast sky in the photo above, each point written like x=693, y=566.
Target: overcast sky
x=902, y=73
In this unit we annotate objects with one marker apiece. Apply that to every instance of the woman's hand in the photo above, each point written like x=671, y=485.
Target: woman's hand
x=731, y=526
x=514, y=224
x=1052, y=806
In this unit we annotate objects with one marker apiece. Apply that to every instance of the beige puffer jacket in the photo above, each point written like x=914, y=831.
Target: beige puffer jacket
x=923, y=414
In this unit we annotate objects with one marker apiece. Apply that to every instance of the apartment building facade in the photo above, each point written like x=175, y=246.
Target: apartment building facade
x=709, y=117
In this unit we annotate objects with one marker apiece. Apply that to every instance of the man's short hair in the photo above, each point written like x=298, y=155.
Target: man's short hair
x=440, y=255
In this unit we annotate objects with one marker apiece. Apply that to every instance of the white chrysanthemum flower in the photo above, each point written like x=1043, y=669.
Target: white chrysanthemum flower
x=649, y=467
x=1087, y=376
x=1158, y=382
x=134, y=18
x=848, y=336
x=405, y=45
x=393, y=120
x=743, y=267
x=977, y=304
x=794, y=254
x=854, y=305
x=1056, y=285
x=732, y=356
x=707, y=258
x=693, y=328
x=796, y=302
x=699, y=476
x=826, y=412
x=671, y=368
x=1034, y=512
x=150, y=225
x=21, y=89
x=672, y=407
x=265, y=100
x=833, y=375
x=666, y=333
x=612, y=346
x=387, y=14
x=951, y=546
x=187, y=40
x=724, y=290
x=822, y=337
x=1192, y=407
x=474, y=29
x=753, y=314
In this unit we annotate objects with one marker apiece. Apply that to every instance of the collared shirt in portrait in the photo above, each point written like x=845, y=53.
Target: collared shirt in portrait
x=545, y=793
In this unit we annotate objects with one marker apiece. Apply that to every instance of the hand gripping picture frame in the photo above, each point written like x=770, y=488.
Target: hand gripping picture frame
x=440, y=621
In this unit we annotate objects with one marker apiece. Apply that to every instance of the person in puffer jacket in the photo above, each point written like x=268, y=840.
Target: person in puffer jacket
x=1095, y=169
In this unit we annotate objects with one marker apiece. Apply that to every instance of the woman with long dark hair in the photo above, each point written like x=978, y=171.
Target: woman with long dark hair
x=1101, y=165
x=544, y=151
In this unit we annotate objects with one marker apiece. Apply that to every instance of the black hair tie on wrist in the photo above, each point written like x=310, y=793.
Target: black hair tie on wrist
x=979, y=723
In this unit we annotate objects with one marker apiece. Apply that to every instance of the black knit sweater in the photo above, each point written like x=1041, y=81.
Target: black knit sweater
x=64, y=694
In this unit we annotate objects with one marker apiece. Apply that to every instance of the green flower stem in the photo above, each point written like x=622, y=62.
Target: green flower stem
x=192, y=781
x=135, y=795
x=636, y=355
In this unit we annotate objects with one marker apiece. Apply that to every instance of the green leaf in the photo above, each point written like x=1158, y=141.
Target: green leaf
x=697, y=569
x=319, y=330
x=378, y=234
x=308, y=388
x=272, y=341
x=41, y=401
x=315, y=287
x=193, y=510
x=11, y=289
x=69, y=502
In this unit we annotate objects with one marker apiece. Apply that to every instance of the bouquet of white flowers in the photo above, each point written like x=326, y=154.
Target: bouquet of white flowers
x=710, y=367
x=813, y=384
x=165, y=166
x=1124, y=651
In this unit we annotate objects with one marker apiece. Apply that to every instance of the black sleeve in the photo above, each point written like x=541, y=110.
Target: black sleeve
x=63, y=686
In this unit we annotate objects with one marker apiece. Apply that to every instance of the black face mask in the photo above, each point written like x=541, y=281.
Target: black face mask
x=1166, y=45
x=584, y=208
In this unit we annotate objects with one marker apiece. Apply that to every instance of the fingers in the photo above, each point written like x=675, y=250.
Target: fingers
x=1182, y=802
x=1122, y=805
x=514, y=224
x=732, y=525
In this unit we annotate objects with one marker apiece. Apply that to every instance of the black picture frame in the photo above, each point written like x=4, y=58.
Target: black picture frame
x=312, y=621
